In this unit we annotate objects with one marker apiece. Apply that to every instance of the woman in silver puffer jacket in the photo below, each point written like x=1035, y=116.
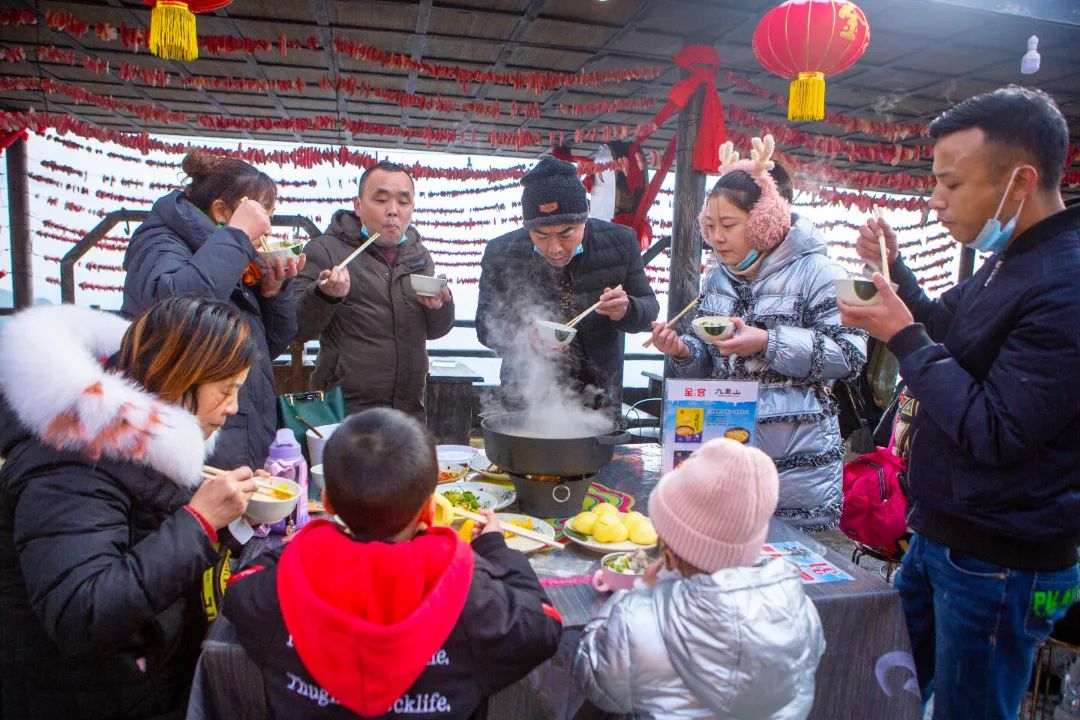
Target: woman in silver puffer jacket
x=775, y=278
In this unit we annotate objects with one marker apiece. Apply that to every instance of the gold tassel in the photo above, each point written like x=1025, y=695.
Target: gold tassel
x=172, y=31
x=806, y=99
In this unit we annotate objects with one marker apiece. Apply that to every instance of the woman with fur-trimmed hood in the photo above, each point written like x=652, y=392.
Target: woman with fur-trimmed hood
x=775, y=279
x=105, y=530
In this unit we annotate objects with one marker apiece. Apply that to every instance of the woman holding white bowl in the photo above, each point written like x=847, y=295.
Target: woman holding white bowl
x=776, y=284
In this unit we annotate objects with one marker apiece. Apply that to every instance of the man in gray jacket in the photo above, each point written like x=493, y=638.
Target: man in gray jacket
x=372, y=327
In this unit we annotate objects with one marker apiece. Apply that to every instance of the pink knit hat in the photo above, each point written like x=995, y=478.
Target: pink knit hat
x=770, y=219
x=713, y=510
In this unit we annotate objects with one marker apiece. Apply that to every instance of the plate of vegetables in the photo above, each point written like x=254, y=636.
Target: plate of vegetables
x=472, y=499
x=504, y=495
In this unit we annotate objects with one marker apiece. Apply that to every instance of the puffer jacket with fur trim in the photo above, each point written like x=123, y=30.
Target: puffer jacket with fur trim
x=100, y=565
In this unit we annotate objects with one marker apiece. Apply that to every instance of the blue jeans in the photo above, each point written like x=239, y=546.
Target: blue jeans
x=974, y=627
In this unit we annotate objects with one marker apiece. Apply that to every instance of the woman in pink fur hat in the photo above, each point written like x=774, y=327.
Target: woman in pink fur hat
x=776, y=282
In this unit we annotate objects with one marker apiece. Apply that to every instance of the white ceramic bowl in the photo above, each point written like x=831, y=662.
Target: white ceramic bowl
x=554, y=334
x=262, y=509
x=455, y=454
x=426, y=285
x=318, y=481
x=279, y=248
x=713, y=327
x=315, y=444
x=859, y=292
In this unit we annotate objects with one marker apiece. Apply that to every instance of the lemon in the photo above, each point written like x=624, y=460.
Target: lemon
x=632, y=518
x=609, y=529
x=444, y=511
x=583, y=522
x=604, y=508
x=643, y=533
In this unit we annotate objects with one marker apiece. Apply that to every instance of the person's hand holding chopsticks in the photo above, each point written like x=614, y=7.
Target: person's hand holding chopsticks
x=614, y=302
x=223, y=496
x=868, y=245
x=666, y=340
x=251, y=217
x=334, y=282
x=491, y=526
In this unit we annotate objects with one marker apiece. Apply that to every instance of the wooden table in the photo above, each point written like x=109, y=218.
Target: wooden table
x=450, y=401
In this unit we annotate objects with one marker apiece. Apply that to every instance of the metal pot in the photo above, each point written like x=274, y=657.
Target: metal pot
x=551, y=498
x=565, y=457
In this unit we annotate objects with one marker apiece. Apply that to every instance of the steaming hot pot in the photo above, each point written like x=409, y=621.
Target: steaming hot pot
x=551, y=475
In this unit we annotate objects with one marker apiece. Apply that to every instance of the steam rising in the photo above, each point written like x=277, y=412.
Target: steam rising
x=541, y=387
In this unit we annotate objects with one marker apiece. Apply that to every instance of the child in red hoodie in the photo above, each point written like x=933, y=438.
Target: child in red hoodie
x=384, y=615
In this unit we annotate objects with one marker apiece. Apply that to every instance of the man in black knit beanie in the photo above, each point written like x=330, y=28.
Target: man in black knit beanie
x=561, y=262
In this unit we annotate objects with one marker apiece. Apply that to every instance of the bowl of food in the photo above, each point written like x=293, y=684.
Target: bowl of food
x=426, y=285
x=315, y=444
x=467, y=498
x=272, y=501
x=619, y=570
x=713, y=327
x=553, y=334
x=451, y=472
x=271, y=248
x=455, y=454
x=858, y=292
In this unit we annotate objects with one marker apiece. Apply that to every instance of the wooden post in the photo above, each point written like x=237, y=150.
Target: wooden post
x=685, y=235
x=22, y=265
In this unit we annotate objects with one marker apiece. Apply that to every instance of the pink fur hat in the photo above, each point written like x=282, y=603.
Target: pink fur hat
x=770, y=218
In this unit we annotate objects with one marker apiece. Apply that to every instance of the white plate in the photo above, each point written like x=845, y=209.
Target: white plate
x=455, y=454
x=481, y=463
x=458, y=472
x=504, y=496
x=487, y=500
x=586, y=541
x=524, y=545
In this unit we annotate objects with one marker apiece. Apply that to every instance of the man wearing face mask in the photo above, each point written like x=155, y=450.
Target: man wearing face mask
x=557, y=265
x=371, y=326
x=994, y=461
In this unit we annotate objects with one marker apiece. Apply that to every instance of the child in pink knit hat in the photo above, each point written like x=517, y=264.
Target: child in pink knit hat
x=732, y=634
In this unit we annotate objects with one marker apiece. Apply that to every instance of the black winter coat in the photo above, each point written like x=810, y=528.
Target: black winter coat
x=514, y=287
x=100, y=565
x=486, y=602
x=179, y=251
x=994, y=465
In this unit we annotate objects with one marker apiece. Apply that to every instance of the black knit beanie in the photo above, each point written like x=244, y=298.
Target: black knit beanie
x=553, y=194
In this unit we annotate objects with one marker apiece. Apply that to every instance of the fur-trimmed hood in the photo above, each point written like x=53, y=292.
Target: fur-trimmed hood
x=53, y=380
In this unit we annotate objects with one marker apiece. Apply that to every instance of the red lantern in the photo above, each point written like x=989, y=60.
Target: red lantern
x=805, y=40
x=172, y=27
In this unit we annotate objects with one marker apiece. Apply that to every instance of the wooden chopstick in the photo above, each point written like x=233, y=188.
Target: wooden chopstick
x=578, y=318
x=356, y=252
x=528, y=534
x=309, y=426
x=265, y=487
x=671, y=323
x=881, y=244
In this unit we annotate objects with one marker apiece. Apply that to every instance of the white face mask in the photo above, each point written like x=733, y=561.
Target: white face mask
x=993, y=237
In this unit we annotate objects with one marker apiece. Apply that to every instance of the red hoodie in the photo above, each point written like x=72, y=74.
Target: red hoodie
x=367, y=617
